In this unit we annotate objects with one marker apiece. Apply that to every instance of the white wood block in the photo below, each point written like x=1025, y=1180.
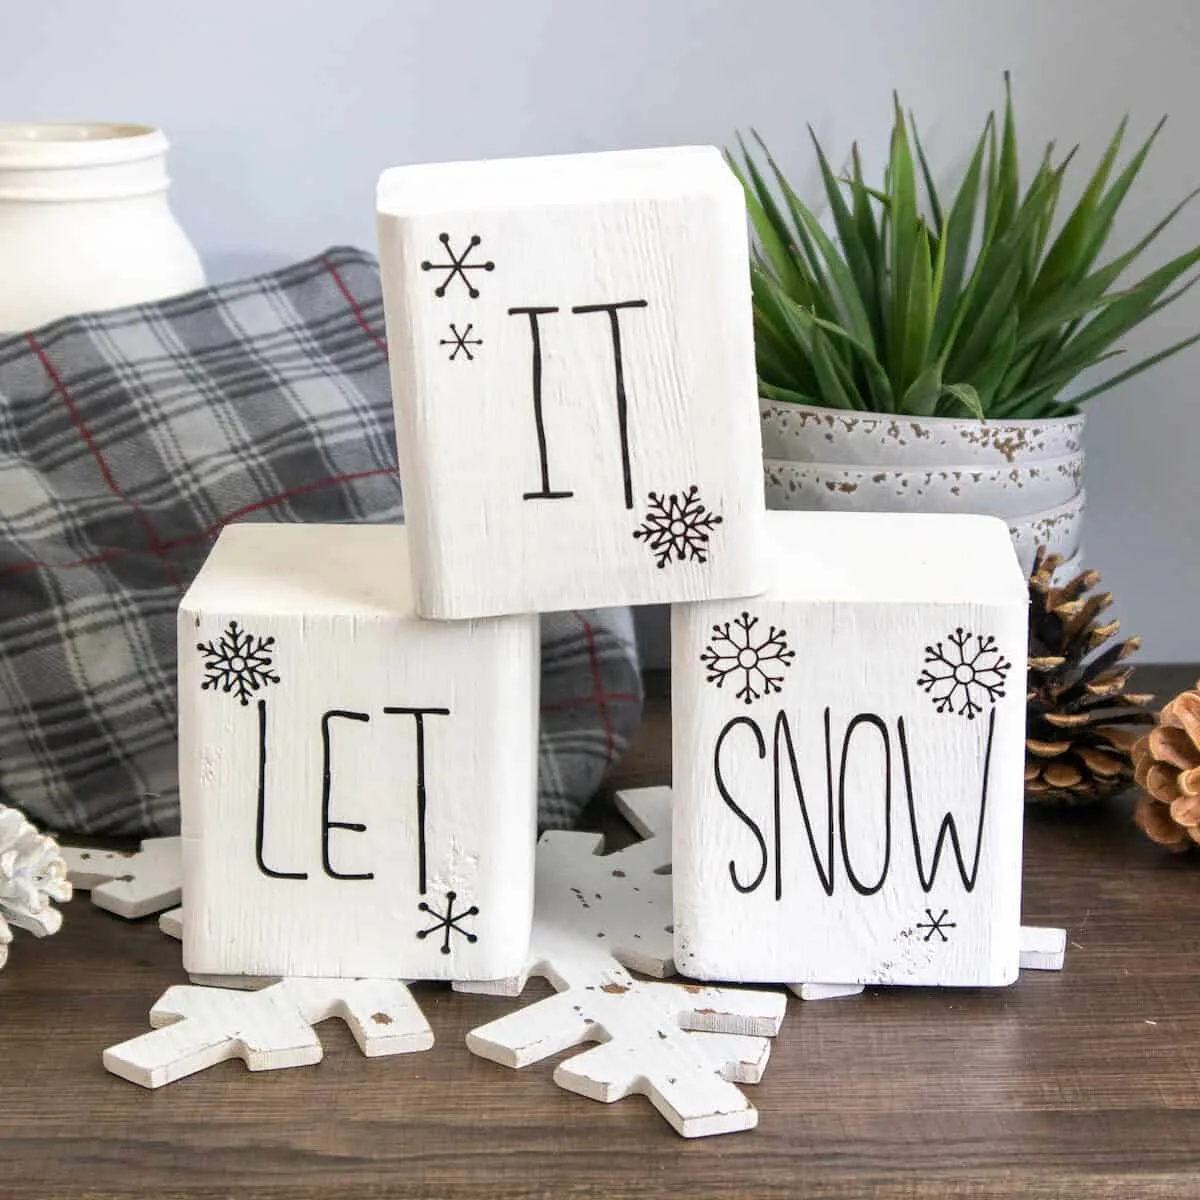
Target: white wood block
x=198, y=1027
x=1043, y=949
x=132, y=883
x=171, y=923
x=825, y=991
x=848, y=758
x=359, y=787
x=573, y=370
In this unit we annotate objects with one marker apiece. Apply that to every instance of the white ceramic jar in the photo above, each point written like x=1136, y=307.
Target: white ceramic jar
x=84, y=222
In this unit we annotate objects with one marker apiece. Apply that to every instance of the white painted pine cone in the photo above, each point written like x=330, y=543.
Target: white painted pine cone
x=32, y=876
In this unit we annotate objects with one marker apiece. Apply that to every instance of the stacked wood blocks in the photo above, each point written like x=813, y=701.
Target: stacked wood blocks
x=573, y=369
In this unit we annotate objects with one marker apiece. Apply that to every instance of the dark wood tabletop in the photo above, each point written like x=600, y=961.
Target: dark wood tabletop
x=1084, y=1083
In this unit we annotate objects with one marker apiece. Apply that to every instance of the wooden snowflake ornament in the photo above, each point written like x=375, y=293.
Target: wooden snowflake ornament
x=133, y=883
x=198, y=1027
x=682, y=1045
x=32, y=876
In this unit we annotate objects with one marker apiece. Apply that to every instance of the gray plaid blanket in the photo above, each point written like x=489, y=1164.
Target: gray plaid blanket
x=128, y=439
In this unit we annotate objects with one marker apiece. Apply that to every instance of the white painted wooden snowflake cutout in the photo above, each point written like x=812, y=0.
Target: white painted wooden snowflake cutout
x=685, y=1046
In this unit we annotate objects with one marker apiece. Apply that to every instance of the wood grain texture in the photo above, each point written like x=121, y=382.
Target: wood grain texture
x=1083, y=1083
x=849, y=750
x=358, y=787
x=559, y=329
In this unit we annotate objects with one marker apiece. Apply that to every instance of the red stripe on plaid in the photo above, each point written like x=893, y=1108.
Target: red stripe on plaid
x=270, y=501
x=354, y=306
x=36, y=564
x=205, y=535
x=154, y=545
x=599, y=695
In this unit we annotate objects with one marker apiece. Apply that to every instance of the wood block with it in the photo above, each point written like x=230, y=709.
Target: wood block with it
x=359, y=787
x=573, y=371
x=848, y=759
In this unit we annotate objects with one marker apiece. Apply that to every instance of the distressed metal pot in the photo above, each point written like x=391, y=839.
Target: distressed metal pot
x=798, y=433
x=1012, y=491
x=1029, y=473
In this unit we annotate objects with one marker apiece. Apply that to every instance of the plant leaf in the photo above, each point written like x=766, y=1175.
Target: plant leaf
x=1065, y=257
x=935, y=207
x=920, y=400
x=1106, y=210
x=857, y=254
x=918, y=316
x=966, y=395
x=834, y=390
x=956, y=238
x=1144, y=365
x=902, y=224
x=1006, y=187
x=788, y=395
x=768, y=226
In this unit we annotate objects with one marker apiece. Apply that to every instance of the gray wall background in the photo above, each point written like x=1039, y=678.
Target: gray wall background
x=283, y=112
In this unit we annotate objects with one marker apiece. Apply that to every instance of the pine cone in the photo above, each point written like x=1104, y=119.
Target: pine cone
x=1081, y=724
x=32, y=874
x=1167, y=765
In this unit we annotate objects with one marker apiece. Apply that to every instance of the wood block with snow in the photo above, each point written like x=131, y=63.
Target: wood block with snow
x=573, y=371
x=848, y=759
x=358, y=786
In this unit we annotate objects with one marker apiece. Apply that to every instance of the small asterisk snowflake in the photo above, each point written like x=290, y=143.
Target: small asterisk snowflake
x=461, y=342
x=963, y=676
x=938, y=924
x=761, y=659
x=677, y=526
x=238, y=662
x=447, y=923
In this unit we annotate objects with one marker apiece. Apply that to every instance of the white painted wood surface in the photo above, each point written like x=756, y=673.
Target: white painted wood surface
x=358, y=786
x=682, y=1045
x=826, y=991
x=198, y=1027
x=832, y=735
x=573, y=370
x=171, y=923
x=646, y=1048
x=1043, y=949
x=133, y=883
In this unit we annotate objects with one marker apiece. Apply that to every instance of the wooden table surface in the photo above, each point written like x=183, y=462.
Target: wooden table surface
x=1081, y=1084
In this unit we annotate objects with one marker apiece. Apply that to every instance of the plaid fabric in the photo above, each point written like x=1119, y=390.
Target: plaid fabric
x=127, y=440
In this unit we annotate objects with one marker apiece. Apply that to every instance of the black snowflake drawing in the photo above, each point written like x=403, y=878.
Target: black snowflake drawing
x=238, y=662
x=760, y=658
x=458, y=266
x=677, y=526
x=964, y=673
x=462, y=342
x=937, y=924
x=447, y=922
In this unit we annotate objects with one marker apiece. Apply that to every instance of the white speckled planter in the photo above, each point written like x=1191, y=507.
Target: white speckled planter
x=1004, y=491
x=1058, y=529
x=821, y=435
x=1028, y=473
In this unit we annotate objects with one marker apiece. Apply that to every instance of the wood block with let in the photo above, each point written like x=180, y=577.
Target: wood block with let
x=848, y=759
x=573, y=371
x=359, y=787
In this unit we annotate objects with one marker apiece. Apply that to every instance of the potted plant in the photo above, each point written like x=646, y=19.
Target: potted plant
x=914, y=356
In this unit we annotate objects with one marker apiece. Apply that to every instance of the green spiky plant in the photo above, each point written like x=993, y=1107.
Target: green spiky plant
x=968, y=310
